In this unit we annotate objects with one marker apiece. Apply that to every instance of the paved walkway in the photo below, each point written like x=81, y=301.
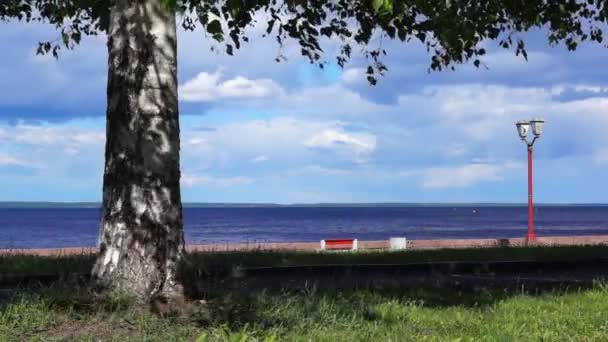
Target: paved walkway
x=365, y=245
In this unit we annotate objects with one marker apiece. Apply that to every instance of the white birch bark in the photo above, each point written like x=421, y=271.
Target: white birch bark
x=141, y=238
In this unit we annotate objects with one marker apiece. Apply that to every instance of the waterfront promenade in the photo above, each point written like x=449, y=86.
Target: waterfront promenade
x=363, y=245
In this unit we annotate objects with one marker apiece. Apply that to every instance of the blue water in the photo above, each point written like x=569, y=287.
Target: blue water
x=64, y=227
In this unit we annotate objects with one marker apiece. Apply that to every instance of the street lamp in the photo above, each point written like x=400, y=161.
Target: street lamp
x=523, y=127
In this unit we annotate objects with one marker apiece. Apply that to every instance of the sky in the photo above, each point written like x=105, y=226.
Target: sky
x=254, y=130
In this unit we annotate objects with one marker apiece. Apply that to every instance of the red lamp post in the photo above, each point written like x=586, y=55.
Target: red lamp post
x=522, y=129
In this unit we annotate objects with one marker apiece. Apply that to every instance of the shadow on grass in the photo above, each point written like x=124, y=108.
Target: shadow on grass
x=238, y=307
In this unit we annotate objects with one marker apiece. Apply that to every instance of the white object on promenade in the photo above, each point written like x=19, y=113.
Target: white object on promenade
x=398, y=243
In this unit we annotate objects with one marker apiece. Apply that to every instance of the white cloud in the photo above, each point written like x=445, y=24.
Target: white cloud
x=601, y=157
x=478, y=101
x=7, y=160
x=191, y=180
x=479, y=119
x=71, y=151
x=593, y=106
x=276, y=138
x=332, y=101
x=259, y=159
x=243, y=87
x=67, y=153
x=45, y=82
x=507, y=61
x=196, y=141
x=590, y=88
x=320, y=170
x=284, y=141
x=54, y=135
x=469, y=125
x=353, y=76
x=361, y=145
x=465, y=175
x=453, y=149
x=206, y=87
x=88, y=138
x=326, y=101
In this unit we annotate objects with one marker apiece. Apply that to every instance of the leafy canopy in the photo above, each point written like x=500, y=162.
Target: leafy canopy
x=451, y=30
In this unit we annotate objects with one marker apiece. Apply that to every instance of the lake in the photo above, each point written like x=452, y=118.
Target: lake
x=77, y=227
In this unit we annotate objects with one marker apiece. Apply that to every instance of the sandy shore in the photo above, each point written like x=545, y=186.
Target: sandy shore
x=364, y=245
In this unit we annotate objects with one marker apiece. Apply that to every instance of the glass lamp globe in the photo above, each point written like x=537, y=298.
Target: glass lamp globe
x=522, y=128
x=537, y=126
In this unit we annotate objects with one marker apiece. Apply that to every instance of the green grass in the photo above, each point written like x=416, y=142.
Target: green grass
x=31, y=264
x=225, y=261
x=71, y=314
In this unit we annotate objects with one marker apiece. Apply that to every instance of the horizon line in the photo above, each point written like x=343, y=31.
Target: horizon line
x=386, y=203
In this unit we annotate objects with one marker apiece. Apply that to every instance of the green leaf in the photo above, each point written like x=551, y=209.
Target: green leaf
x=65, y=38
x=382, y=6
x=173, y=5
x=214, y=27
x=387, y=6
x=377, y=4
x=270, y=26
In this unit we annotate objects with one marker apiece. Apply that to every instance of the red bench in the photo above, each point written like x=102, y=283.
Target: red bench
x=339, y=244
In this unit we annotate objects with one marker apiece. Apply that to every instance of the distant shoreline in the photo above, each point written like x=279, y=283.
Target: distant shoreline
x=96, y=205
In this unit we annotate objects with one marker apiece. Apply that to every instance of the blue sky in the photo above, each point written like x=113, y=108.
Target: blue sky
x=254, y=130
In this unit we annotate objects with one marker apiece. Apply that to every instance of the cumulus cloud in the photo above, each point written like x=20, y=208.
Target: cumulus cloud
x=475, y=120
x=283, y=141
x=473, y=102
x=361, y=145
x=206, y=87
x=470, y=127
x=311, y=100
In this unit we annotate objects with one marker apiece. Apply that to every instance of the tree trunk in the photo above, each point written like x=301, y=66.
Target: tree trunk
x=141, y=241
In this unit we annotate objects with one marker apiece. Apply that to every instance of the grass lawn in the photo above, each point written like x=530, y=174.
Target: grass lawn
x=68, y=311
x=68, y=314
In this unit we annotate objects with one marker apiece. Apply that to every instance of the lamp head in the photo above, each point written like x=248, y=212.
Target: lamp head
x=537, y=126
x=523, y=127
